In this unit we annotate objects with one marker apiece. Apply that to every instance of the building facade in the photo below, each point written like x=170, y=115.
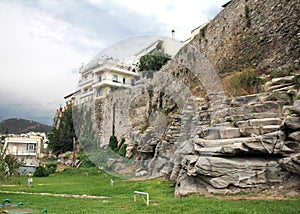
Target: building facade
x=105, y=74
x=26, y=148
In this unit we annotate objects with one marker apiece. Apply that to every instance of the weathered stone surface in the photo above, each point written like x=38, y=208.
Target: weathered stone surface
x=292, y=163
x=295, y=136
x=219, y=173
x=265, y=122
x=292, y=123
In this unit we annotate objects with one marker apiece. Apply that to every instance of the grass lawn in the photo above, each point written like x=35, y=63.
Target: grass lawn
x=120, y=197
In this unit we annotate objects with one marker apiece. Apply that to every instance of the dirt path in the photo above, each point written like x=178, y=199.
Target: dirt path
x=53, y=194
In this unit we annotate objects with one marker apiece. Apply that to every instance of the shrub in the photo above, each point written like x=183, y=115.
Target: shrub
x=282, y=73
x=113, y=143
x=85, y=161
x=51, y=167
x=243, y=83
x=41, y=172
x=297, y=81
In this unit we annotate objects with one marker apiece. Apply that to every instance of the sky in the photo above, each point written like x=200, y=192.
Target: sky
x=44, y=42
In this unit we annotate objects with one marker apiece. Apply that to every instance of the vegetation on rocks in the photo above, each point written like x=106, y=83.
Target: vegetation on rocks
x=242, y=83
x=61, y=138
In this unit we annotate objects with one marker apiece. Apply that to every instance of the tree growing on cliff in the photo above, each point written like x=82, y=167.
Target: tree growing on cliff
x=153, y=61
x=61, y=138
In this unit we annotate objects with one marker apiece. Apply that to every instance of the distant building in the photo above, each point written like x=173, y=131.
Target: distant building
x=27, y=148
x=196, y=31
x=105, y=74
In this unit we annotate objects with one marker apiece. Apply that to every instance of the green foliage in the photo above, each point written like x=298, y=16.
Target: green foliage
x=119, y=148
x=245, y=82
x=282, y=73
x=113, y=143
x=51, y=167
x=8, y=166
x=297, y=81
x=85, y=161
x=41, y=172
x=61, y=139
x=120, y=196
x=153, y=61
x=19, y=126
x=274, y=96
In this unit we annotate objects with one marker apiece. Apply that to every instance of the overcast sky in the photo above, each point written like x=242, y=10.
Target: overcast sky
x=44, y=42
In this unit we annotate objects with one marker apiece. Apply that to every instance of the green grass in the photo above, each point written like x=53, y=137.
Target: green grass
x=120, y=197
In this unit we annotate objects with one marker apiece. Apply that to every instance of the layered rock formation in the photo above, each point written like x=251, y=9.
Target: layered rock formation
x=217, y=143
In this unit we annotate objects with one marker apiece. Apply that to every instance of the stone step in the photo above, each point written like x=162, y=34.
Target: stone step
x=248, y=99
x=222, y=133
x=237, y=119
x=255, y=131
x=265, y=122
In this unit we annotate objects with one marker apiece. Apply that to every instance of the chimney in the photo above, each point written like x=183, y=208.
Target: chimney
x=173, y=34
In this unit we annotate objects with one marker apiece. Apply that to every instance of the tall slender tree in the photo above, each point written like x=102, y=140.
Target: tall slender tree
x=61, y=138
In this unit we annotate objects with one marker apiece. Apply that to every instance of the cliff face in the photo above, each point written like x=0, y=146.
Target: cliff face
x=179, y=122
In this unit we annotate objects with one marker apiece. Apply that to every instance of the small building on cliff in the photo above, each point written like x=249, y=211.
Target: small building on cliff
x=106, y=72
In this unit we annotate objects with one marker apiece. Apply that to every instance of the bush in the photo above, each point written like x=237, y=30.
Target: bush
x=113, y=143
x=243, y=83
x=85, y=161
x=51, y=167
x=297, y=81
x=283, y=73
x=41, y=172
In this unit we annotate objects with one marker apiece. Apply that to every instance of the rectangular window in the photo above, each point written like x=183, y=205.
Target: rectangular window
x=115, y=78
x=124, y=80
x=99, y=92
x=132, y=82
x=100, y=78
x=30, y=147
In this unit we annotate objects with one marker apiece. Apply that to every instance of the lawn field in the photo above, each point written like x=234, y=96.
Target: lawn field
x=119, y=198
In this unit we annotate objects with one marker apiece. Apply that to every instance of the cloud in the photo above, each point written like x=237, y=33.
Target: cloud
x=44, y=42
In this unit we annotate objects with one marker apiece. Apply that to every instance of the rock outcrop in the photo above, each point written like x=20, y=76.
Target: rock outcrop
x=217, y=143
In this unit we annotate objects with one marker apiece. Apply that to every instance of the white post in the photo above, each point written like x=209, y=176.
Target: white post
x=140, y=193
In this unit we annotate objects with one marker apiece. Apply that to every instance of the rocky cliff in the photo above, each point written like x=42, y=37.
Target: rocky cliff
x=179, y=122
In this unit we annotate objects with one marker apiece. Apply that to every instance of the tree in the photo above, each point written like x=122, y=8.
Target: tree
x=153, y=61
x=61, y=139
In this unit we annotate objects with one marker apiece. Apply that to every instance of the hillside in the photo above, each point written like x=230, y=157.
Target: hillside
x=19, y=125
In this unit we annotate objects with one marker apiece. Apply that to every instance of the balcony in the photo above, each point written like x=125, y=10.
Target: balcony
x=115, y=67
x=110, y=82
x=85, y=81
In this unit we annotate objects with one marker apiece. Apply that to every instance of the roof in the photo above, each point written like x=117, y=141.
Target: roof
x=226, y=4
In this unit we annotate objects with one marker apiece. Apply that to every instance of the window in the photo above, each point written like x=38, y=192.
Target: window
x=113, y=89
x=30, y=147
x=99, y=92
x=132, y=82
x=124, y=80
x=115, y=78
x=100, y=78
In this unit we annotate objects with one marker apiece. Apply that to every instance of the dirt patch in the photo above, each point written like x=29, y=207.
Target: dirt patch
x=53, y=194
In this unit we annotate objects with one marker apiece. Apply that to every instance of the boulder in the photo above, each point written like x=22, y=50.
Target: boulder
x=295, y=136
x=291, y=164
x=292, y=123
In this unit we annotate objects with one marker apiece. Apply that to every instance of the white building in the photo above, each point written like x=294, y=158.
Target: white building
x=104, y=73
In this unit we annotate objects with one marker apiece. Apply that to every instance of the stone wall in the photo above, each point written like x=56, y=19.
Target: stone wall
x=253, y=33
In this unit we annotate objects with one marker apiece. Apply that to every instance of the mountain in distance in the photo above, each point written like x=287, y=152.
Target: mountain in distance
x=19, y=126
